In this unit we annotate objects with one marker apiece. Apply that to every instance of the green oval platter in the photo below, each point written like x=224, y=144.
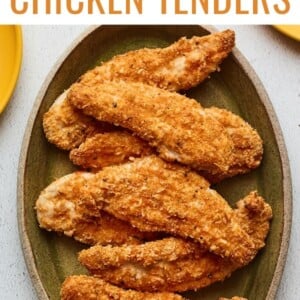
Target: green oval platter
x=50, y=257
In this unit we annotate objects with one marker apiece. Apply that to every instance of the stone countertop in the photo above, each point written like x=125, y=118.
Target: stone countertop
x=274, y=57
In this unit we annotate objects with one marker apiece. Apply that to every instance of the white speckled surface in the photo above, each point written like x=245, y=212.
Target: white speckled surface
x=275, y=58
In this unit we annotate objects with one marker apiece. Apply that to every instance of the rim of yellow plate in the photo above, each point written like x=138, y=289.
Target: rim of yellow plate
x=14, y=69
x=292, y=31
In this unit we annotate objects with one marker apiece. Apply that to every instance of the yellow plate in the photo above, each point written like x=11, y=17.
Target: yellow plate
x=292, y=31
x=10, y=61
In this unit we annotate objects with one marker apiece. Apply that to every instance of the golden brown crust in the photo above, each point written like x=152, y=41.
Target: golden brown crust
x=67, y=128
x=66, y=207
x=168, y=249
x=154, y=195
x=91, y=288
x=139, y=192
x=178, y=127
x=119, y=146
x=190, y=273
x=108, y=230
x=105, y=149
x=247, y=148
x=182, y=65
x=183, y=265
x=254, y=215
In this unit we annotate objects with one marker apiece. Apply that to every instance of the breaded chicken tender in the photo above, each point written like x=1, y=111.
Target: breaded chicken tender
x=180, y=66
x=67, y=128
x=173, y=264
x=91, y=288
x=106, y=149
x=247, y=148
x=178, y=127
x=144, y=255
x=63, y=207
x=153, y=195
x=119, y=147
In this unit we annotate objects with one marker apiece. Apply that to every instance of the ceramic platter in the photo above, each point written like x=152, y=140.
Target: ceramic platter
x=10, y=61
x=50, y=258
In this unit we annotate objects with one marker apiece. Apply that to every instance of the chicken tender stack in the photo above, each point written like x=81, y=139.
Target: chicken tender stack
x=153, y=195
x=176, y=126
x=155, y=225
x=180, y=66
x=173, y=264
x=68, y=128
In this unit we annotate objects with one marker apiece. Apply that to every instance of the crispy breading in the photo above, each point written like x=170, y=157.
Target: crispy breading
x=166, y=250
x=173, y=264
x=178, y=127
x=192, y=272
x=91, y=288
x=153, y=195
x=67, y=128
x=180, y=66
x=64, y=126
x=247, y=148
x=105, y=149
x=65, y=207
x=118, y=147
x=254, y=215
